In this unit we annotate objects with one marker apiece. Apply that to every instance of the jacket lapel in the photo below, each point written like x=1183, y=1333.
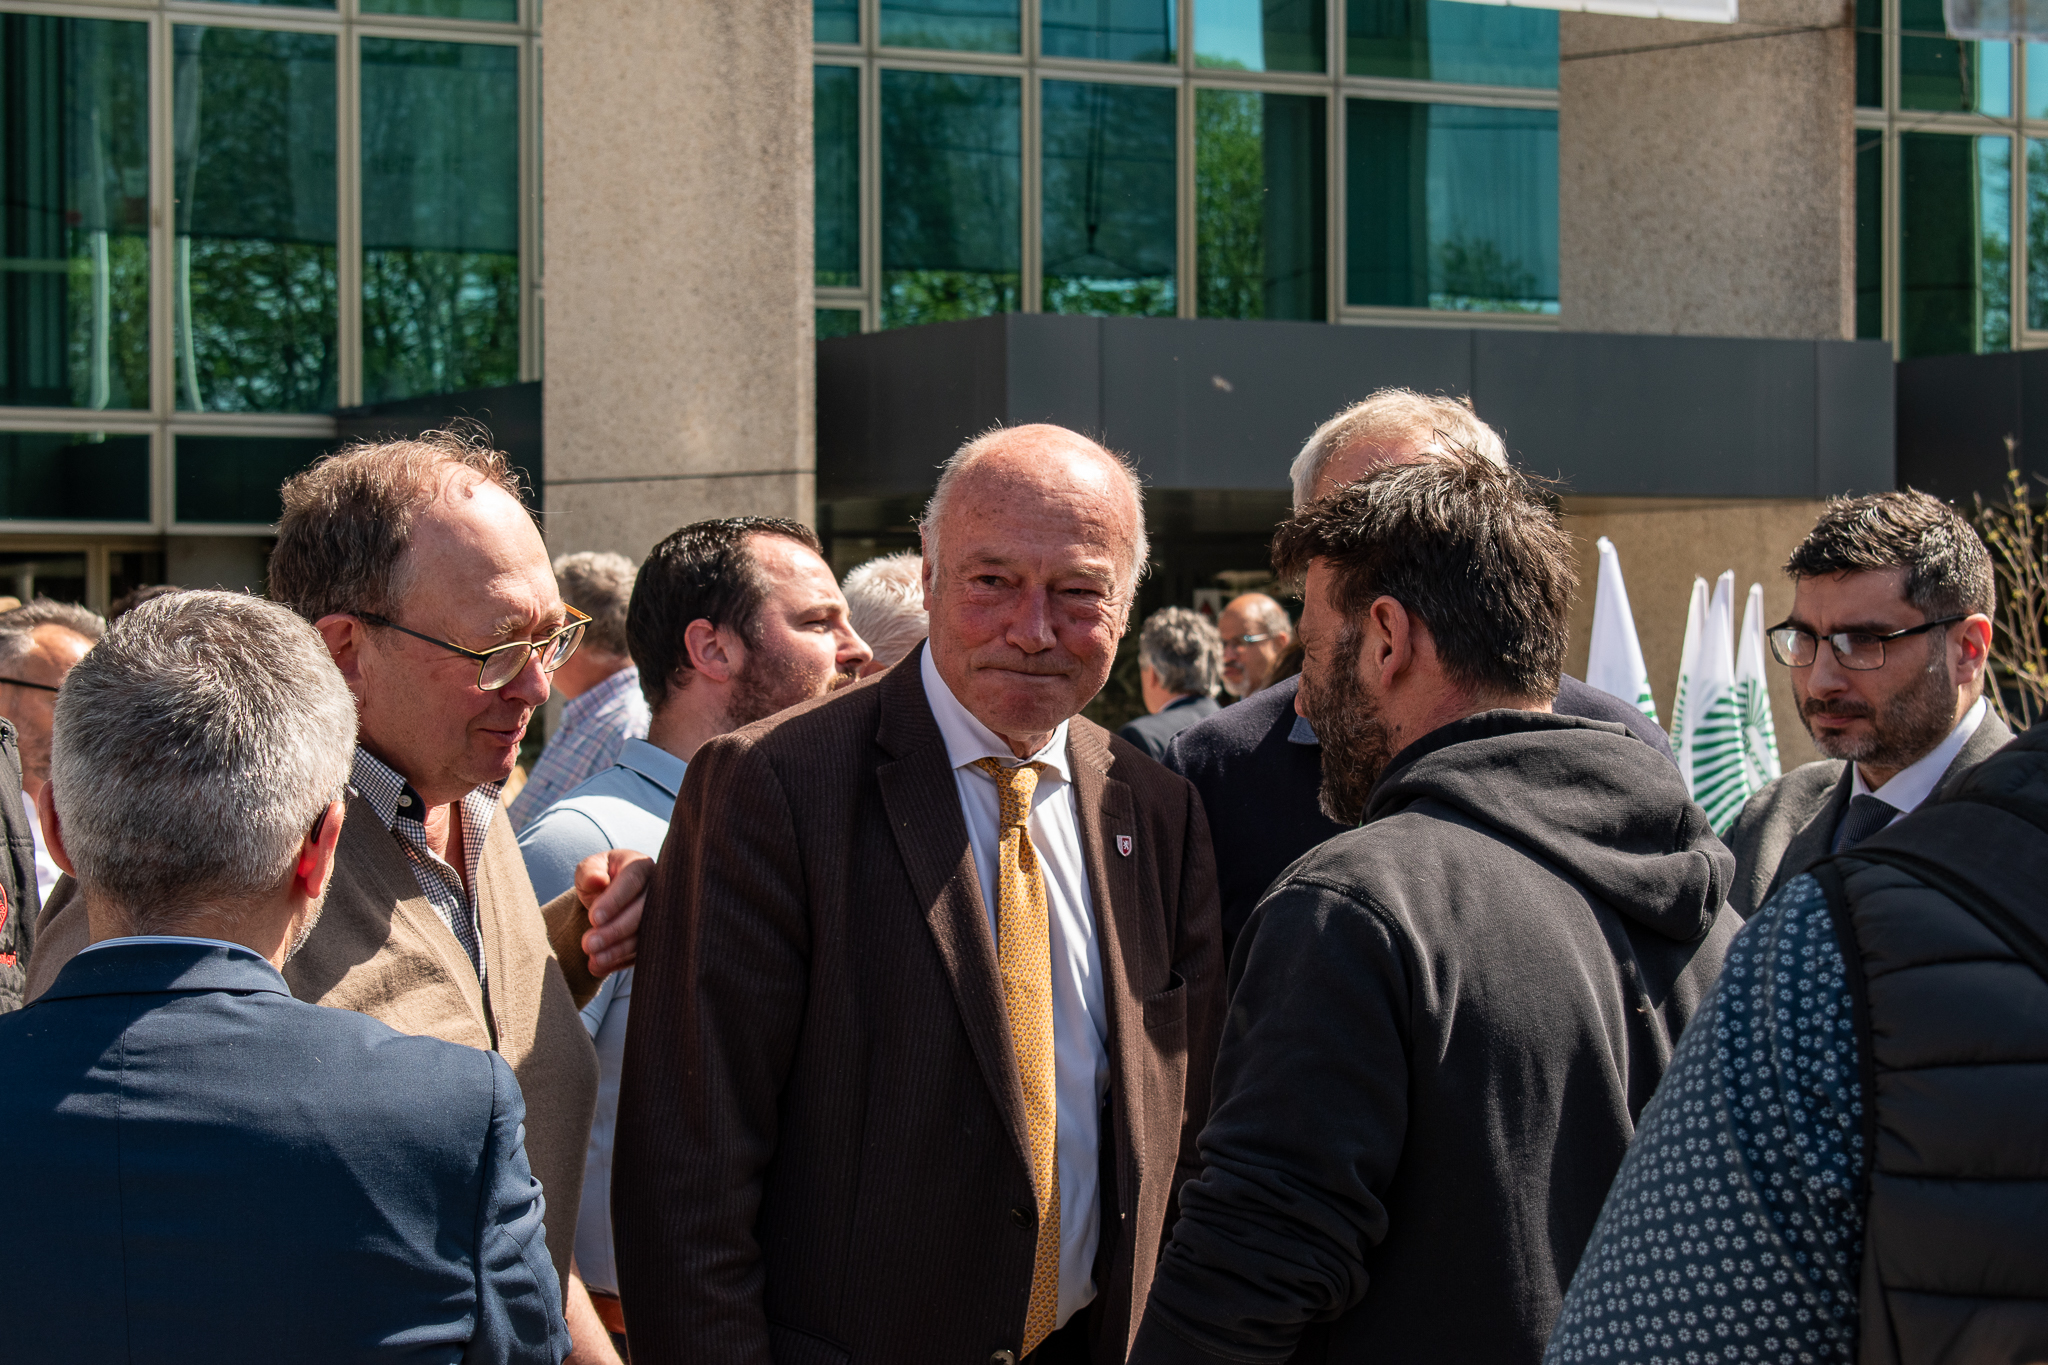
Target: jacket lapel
x=1992, y=735
x=1816, y=838
x=923, y=806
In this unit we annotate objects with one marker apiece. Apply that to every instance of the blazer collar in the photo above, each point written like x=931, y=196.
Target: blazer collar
x=163, y=968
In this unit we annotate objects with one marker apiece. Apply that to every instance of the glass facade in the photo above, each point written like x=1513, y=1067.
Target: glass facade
x=1324, y=160
x=220, y=223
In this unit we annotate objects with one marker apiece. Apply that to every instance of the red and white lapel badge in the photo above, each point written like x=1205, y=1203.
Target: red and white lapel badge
x=1123, y=844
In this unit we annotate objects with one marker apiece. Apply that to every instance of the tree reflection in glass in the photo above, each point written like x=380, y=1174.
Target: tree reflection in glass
x=956, y=25
x=1108, y=180
x=952, y=161
x=1955, y=244
x=1260, y=232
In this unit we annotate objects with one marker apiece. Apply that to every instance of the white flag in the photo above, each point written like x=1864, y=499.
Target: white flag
x=1614, y=660
x=1753, y=696
x=1712, y=761
x=1688, y=664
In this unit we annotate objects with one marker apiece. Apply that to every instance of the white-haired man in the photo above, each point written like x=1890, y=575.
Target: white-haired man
x=203, y=1165
x=930, y=987
x=885, y=599
x=1257, y=764
x=1179, y=665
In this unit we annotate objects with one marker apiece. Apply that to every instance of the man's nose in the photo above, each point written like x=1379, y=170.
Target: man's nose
x=853, y=651
x=530, y=685
x=1031, y=626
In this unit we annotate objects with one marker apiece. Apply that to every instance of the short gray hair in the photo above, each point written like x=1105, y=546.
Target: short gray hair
x=964, y=459
x=885, y=602
x=1388, y=415
x=1183, y=649
x=192, y=750
x=599, y=584
x=18, y=627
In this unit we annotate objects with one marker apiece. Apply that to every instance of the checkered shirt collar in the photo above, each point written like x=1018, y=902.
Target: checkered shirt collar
x=402, y=811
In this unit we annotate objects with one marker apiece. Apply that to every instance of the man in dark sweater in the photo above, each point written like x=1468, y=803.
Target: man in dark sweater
x=1442, y=1023
x=1257, y=764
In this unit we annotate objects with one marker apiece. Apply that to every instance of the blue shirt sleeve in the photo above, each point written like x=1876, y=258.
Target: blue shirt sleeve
x=554, y=844
x=1733, y=1231
x=519, y=1297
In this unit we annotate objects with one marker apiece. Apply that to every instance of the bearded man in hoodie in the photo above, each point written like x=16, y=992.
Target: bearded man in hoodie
x=1443, y=1022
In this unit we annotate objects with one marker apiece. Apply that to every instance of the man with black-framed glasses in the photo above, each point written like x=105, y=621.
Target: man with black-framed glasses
x=1887, y=646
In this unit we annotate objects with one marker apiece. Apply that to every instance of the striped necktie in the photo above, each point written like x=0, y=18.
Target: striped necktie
x=1024, y=953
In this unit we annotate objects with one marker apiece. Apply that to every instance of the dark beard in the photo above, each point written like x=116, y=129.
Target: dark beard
x=770, y=683
x=1355, y=742
x=1906, y=728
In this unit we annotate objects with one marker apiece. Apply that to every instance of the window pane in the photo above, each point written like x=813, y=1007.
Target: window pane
x=835, y=134
x=1451, y=207
x=838, y=322
x=1108, y=183
x=959, y=25
x=496, y=11
x=1869, y=233
x=1955, y=243
x=44, y=573
x=1260, y=239
x=253, y=279
x=1870, y=53
x=835, y=21
x=235, y=479
x=440, y=217
x=1936, y=72
x=951, y=197
x=74, y=212
x=2037, y=233
x=2037, y=80
x=1109, y=30
x=73, y=476
x=1260, y=35
x=1444, y=40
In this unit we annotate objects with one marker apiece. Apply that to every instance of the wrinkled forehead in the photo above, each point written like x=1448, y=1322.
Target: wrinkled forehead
x=1068, y=504
x=474, y=550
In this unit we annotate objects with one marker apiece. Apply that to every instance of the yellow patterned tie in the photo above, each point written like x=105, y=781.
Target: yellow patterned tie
x=1024, y=952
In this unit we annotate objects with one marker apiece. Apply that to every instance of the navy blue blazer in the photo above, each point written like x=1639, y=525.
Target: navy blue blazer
x=203, y=1169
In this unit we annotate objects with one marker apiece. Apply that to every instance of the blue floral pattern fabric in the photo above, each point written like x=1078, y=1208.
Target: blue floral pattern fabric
x=1733, y=1232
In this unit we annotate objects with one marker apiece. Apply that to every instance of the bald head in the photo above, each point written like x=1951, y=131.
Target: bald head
x=1389, y=427
x=1044, y=461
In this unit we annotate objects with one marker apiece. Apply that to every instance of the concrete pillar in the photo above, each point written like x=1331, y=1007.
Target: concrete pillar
x=676, y=319
x=1706, y=173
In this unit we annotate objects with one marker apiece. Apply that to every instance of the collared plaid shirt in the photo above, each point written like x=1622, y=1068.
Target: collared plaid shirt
x=595, y=726
x=404, y=813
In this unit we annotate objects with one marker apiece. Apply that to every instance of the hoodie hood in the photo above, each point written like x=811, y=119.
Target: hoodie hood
x=1601, y=806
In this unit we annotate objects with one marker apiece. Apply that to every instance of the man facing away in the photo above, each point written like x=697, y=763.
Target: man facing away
x=605, y=708
x=885, y=602
x=39, y=643
x=1257, y=764
x=1180, y=660
x=1256, y=632
x=1887, y=643
x=419, y=566
x=730, y=622
x=931, y=977
x=209, y=1170
x=1442, y=1022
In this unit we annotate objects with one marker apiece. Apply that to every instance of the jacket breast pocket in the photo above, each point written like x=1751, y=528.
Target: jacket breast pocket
x=790, y=1346
x=1169, y=1007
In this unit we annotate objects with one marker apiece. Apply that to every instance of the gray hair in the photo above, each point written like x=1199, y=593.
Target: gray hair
x=18, y=627
x=967, y=456
x=193, y=748
x=1183, y=649
x=885, y=602
x=599, y=584
x=1390, y=415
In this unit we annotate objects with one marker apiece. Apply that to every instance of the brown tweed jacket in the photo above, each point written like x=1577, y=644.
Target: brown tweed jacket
x=820, y=1152
x=381, y=950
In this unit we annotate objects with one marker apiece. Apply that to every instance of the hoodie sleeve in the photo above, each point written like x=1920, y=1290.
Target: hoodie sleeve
x=1309, y=1114
x=519, y=1296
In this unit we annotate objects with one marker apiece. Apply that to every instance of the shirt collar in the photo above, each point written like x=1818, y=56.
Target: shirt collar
x=1913, y=784
x=654, y=763
x=968, y=740
x=601, y=695
x=391, y=796
x=134, y=939
x=1302, y=732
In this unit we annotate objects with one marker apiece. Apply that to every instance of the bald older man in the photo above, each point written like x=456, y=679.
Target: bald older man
x=929, y=985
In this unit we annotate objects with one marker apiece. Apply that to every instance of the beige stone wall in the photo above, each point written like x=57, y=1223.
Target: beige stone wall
x=1663, y=544
x=677, y=275
x=1706, y=187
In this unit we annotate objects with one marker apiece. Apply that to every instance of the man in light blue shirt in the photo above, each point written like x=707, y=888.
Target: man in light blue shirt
x=730, y=621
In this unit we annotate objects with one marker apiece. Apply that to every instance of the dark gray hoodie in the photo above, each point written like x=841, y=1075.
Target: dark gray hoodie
x=1442, y=1027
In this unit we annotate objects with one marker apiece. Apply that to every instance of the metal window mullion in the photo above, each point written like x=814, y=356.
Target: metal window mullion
x=1031, y=242
x=1890, y=206
x=1333, y=164
x=530, y=263
x=869, y=119
x=1184, y=198
x=348, y=219
x=163, y=397
x=163, y=472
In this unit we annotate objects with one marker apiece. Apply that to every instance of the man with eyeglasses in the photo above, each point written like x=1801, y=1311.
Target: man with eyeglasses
x=429, y=582
x=39, y=642
x=1887, y=645
x=1256, y=632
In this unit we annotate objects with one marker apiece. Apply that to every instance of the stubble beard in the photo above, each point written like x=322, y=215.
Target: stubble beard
x=1355, y=739
x=1902, y=730
x=771, y=683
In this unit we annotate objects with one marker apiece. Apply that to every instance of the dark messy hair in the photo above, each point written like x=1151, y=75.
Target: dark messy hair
x=1471, y=548
x=705, y=571
x=1948, y=571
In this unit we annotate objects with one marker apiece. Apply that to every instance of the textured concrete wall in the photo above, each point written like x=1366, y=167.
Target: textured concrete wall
x=1707, y=186
x=677, y=299
x=1663, y=544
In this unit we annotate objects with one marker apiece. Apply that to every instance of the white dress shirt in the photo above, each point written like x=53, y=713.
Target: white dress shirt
x=1079, y=1017
x=47, y=870
x=1913, y=784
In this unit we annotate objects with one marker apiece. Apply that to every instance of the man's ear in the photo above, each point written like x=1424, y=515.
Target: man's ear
x=1972, y=657
x=715, y=651
x=1387, y=642
x=316, y=852
x=345, y=637
x=53, y=832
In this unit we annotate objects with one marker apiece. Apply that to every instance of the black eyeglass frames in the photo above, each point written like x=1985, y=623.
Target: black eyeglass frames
x=24, y=682
x=1796, y=647
x=500, y=664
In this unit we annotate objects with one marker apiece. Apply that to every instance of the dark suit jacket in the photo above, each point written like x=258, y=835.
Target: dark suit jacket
x=1260, y=790
x=208, y=1170
x=820, y=1152
x=1790, y=825
x=1154, y=732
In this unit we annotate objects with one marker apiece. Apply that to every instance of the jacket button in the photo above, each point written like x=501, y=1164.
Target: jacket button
x=1023, y=1217
x=1003, y=1358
